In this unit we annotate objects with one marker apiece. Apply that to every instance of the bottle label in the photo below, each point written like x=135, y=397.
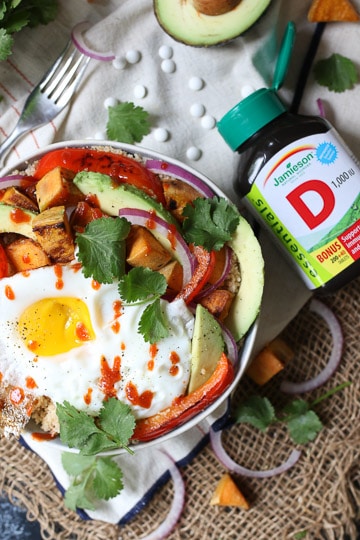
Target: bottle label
x=308, y=194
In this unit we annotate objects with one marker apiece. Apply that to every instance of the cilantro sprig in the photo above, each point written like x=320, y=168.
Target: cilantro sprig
x=210, y=222
x=127, y=123
x=92, y=476
x=338, y=73
x=302, y=422
x=141, y=285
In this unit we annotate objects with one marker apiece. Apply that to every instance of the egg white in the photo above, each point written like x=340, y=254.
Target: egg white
x=69, y=376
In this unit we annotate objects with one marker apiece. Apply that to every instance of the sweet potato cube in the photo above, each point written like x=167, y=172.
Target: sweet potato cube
x=173, y=274
x=52, y=231
x=84, y=214
x=227, y=493
x=55, y=188
x=218, y=302
x=177, y=195
x=13, y=197
x=270, y=361
x=332, y=11
x=26, y=254
x=143, y=249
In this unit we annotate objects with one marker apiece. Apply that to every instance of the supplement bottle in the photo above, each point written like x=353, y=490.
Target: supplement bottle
x=299, y=179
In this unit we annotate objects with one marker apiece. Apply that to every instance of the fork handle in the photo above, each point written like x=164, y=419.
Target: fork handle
x=9, y=142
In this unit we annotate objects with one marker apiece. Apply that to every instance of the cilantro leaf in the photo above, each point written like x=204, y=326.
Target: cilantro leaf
x=6, y=43
x=337, y=72
x=127, y=123
x=152, y=323
x=141, y=283
x=257, y=411
x=91, y=478
x=117, y=420
x=210, y=222
x=75, y=426
x=303, y=424
x=102, y=248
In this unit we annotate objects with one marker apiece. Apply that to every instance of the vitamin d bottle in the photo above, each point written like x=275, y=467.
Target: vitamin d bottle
x=302, y=183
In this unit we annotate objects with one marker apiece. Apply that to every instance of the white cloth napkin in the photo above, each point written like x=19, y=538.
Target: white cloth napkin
x=228, y=73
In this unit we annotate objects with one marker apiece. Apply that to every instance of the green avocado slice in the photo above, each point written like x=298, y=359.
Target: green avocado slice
x=21, y=225
x=184, y=23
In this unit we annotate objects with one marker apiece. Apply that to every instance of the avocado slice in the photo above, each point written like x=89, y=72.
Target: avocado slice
x=246, y=304
x=206, y=349
x=20, y=224
x=183, y=20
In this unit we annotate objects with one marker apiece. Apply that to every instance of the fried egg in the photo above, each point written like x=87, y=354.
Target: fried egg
x=69, y=338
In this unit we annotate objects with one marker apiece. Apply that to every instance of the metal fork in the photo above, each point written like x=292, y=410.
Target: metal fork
x=51, y=95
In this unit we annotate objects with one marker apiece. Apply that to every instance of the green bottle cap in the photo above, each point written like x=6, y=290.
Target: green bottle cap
x=261, y=107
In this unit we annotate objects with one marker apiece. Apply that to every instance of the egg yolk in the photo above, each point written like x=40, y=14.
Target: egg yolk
x=55, y=325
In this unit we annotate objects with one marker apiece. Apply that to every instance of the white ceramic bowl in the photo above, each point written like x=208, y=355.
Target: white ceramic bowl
x=246, y=349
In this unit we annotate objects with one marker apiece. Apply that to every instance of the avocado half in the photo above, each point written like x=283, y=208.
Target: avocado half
x=183, y=21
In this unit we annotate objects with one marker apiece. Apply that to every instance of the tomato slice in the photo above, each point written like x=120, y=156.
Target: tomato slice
x=121, y=168
x=185, y=407
x=4, y=265
x=206, y=261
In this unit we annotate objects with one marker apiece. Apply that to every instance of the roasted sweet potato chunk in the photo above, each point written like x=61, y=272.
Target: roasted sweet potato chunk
x=269, y=361
x=227, y=493
x=26, y=254
x=177, y=195
x=13, y=197
x=143, y=249
x=218, y=302
x=52, y=231
x=56, y=188
x=173, y=274
x=332, y=11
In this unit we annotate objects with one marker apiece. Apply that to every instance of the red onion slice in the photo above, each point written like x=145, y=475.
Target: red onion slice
x=177, y=505
x=232, y=466
x=15, y=180
x=227, y=266
x=78, y=40
x=325, y=312
x=176, y=242
x=162, y=167
x=231, y=346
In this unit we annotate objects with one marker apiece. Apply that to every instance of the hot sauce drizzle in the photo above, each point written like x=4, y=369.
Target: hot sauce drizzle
x=82, y=332
x=95, y=285
x=30, y=383
x=109, y=376
x=117, y=312
x=174, y=359
x=17, y=395
x=58, y=274
x=9, y=293
x=153, y=350
x=88, y=395
x=143, y=400
x=19, y=216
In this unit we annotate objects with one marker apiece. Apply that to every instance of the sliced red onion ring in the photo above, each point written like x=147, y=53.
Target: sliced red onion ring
x=14, y=180
x=325, y=312
x=232, y=466
x=162, y=167
x=177, y=505
x=176, y=242
x=321, y=107
x=78, y=40
x=231, y=346
x=227, y=266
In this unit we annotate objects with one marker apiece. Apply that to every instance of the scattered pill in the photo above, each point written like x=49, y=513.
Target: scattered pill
x=110, y=102
x=195, y=83
x=100, y=136
x=133, y=56
x=140, y=91
x=168, y=66
x=208, y=122
x=119, y=62
x=197, y=110
x=166, y=52
x=161, y=134
x=193, y=153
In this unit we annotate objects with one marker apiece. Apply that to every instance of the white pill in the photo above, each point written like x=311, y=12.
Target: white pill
x=100, y=136
x=195, y=83
x=246, y=90
x=161, y=134
x=208, y=122
x=119, y=62
x=168, y=66
x=140, y=91
x=166, y=52
x=110, y=102
x=133, y=56
x=197, y=110
x=193, y=153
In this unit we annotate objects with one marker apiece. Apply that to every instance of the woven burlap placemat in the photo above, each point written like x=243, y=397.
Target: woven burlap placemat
x=318, y=498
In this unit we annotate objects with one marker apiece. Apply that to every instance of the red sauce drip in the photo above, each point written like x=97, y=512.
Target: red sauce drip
x=164, y=166
x=122, y=346
x=58, y=274
x=174, y=359
x=26, y=273
x=9, y=293
x=1, y=377
x=115, y=327
x=92, y=199
x=171, y=236
x=26, y=258
x=19, y=216
x=17, y=395
x=30, y=383
x=109, y=376
x=117, y=312
x=143, y=400
x=95, y=285
x=43, y=436
x=153, y=349
x=76, y=267
x=82, y=332
x=32, y=345
x=88, y=395
x=151, y=223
